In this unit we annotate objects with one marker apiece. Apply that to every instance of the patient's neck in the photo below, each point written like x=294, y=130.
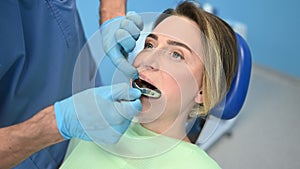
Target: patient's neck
x=174, y=129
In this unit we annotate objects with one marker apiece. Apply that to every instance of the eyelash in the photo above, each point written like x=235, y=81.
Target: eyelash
x=178, y=55
x=149, y=45
x=146, y=46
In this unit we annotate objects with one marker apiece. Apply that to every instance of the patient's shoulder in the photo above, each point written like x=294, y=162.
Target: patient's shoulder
x=193, y=154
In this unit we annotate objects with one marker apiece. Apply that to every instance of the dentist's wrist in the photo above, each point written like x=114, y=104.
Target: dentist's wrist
x=110, y=9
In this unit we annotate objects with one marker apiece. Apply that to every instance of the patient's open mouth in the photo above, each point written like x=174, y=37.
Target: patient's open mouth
x=146, y=88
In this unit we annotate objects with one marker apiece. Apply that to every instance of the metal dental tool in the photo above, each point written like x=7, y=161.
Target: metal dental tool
x=146, y=88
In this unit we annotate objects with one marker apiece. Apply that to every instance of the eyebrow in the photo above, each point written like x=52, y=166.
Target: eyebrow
x=175, y=43
x=171, y=42
x=155, y=37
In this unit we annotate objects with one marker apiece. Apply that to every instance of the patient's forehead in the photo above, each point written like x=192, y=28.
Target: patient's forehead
x=181, y=29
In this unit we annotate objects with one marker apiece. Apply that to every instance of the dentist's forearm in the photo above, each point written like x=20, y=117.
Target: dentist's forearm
x=111, y=8
x=19, y=141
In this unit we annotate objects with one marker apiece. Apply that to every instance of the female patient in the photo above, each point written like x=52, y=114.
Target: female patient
x=190, y=56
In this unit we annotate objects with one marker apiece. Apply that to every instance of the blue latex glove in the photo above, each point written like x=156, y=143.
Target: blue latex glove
x=119, y=36
x=100, y=114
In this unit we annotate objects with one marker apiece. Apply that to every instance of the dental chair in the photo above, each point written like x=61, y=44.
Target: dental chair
x=205, y=131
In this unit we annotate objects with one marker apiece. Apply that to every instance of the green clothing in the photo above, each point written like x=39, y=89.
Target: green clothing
x=138, y=148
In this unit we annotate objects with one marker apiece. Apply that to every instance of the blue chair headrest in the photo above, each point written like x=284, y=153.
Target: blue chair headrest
x=235, y=98
x=232, y=104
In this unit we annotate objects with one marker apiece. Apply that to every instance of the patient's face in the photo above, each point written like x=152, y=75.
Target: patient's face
x=171, y=61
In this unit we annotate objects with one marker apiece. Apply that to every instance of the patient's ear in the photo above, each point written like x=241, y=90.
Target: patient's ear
x=199, y=97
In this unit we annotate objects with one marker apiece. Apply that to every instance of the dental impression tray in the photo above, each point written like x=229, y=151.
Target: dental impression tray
x=146, y=88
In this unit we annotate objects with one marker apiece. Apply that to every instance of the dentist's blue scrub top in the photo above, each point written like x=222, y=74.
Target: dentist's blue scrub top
x=39, y=43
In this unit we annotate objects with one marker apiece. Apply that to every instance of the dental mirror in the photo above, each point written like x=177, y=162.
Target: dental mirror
x=146, y=88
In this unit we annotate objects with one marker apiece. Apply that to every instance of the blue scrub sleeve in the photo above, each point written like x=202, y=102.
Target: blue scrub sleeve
x=40, y=41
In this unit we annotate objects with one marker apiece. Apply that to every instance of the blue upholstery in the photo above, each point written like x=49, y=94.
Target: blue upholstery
x=239, y=87
x=231, y=106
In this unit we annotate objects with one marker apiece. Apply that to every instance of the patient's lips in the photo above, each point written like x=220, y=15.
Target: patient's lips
x=146, y=88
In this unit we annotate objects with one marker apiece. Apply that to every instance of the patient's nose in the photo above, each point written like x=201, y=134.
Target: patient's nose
x=150, y=60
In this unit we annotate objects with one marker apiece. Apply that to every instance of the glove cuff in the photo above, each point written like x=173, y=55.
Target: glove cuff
x=110, y=21
x=59, y=120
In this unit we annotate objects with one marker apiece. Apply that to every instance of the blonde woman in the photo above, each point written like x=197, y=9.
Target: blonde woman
x=190, y=56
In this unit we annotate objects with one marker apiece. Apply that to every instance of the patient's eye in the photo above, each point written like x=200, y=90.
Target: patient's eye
x=177, y=56
x=148, y=45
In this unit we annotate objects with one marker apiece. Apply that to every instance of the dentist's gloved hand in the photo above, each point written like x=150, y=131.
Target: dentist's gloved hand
x=100, y=114
x=119, y=36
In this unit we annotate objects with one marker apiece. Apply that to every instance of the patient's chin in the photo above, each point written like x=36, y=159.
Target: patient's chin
x=146, y=105
x=152, y=109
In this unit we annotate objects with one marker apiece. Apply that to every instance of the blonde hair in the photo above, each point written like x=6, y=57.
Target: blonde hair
x=219, y=57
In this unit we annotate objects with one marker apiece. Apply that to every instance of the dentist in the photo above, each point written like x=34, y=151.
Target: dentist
x=39, y=45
